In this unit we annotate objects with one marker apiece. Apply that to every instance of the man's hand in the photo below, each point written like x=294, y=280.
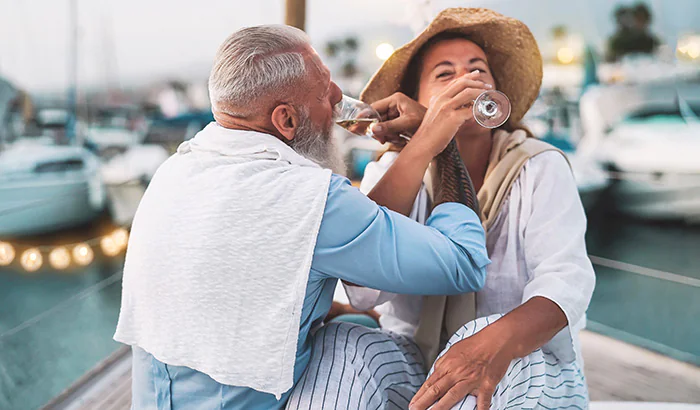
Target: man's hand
x=401, y=115
x=472, y=366
x=447, y=112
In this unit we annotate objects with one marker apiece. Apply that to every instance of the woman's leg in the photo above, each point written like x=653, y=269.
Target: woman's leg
x=536, y=381
x=353, y=367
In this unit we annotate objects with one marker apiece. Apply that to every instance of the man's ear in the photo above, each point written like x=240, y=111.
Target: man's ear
x=286, y=120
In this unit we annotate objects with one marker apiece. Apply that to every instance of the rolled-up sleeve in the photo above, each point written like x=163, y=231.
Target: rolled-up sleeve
x=371, y=246
x=554, y=239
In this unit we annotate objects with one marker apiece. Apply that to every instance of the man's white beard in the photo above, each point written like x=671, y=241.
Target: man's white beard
x=319, y=146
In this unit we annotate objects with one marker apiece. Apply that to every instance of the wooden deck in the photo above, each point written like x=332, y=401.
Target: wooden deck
x=616, y=372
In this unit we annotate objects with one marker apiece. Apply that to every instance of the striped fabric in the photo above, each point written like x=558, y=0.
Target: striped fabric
x=353, y=367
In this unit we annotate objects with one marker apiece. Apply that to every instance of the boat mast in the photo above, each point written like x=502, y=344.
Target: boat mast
x=72, y=94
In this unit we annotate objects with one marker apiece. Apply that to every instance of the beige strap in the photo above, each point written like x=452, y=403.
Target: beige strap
x=442, y=316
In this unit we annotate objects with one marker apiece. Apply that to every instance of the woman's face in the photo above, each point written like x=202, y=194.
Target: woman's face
x=448, y=60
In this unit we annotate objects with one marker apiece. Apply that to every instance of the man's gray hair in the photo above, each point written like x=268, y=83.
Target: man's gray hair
x=253, y=63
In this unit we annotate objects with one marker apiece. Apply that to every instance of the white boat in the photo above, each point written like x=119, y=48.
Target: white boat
x=591, y=179
x=119, y=126
x=656, y=168
x=648, y=138
x=45, y=187
x=126, y=176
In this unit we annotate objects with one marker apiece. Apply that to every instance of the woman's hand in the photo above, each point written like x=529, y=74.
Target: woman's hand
x=402, y=116
x=448, y=111
x=473, y=366
x=478, y=363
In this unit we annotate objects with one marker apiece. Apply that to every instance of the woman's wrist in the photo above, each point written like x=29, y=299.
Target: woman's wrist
x=426, y=143
x=505, y=338
x=418, y=151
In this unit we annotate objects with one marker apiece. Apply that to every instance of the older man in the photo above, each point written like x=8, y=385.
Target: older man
x=238, y=243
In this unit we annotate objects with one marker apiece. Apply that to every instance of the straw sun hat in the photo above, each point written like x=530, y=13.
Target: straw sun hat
x=510, y=48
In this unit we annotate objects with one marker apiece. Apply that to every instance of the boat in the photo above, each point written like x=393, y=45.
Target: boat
x=654, y=157
x=46, y=187
x=126, y=177
x=120, y=126
x=554, y=120
x=647, y=137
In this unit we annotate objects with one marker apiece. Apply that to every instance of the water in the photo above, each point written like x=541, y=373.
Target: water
x=655, y=313
x=54, y=327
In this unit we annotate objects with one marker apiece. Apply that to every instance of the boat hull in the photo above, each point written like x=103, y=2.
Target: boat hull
x=42, y=206
x=651, y=197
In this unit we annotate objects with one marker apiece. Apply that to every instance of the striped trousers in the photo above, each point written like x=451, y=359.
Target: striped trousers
x=353, y=367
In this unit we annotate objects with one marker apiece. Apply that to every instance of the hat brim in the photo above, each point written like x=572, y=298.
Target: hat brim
x=510, y=47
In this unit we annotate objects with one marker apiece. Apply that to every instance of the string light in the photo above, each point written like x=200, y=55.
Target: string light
x=109, y=246
x=121, y=237
x=83, y=254
x=59, y=258
x=31, y=260
x=7, y=254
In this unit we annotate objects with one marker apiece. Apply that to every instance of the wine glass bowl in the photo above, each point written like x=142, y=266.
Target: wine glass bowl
x=491, y=109
x=356, y=116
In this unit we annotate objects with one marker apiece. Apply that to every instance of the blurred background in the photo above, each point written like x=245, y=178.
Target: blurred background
x=94, y=96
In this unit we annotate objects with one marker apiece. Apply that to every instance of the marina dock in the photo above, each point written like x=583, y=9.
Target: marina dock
x=616, y=372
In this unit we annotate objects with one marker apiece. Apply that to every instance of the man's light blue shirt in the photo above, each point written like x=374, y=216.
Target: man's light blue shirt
x=358, y=242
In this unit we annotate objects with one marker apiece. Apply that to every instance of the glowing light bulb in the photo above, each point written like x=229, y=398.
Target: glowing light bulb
x=7, y=254
x=384, y=51
x=693, y=49
x=31, y=260
x=83, y=254
x=59, y=258
x=565, y=55
x=121, y=238
x=109, y=246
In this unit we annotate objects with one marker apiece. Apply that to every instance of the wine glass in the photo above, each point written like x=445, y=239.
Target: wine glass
x=356, y=116
x=491, y=109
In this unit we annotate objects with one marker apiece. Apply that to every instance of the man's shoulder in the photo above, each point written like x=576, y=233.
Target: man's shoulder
x=338, y=184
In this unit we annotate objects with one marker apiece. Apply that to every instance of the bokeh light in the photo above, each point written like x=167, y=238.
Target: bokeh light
x=59, y=258
x=7, y=254
x=109, y=246
x=384, y=51
x=83, y=254
x=565, y=55
x=31, y=260
x=121, y=237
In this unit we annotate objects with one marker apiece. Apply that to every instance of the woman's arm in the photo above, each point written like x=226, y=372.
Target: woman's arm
x=447, y=112
x=557, y=295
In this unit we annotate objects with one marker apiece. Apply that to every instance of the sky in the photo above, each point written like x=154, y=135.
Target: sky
x=135, y=41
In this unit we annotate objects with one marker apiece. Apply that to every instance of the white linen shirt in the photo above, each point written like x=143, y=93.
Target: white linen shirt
x=536, y=245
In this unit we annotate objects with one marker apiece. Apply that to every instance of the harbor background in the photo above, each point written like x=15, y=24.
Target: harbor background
x=127, y=81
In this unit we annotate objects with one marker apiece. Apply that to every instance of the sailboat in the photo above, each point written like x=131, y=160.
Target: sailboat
x=44, y=186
